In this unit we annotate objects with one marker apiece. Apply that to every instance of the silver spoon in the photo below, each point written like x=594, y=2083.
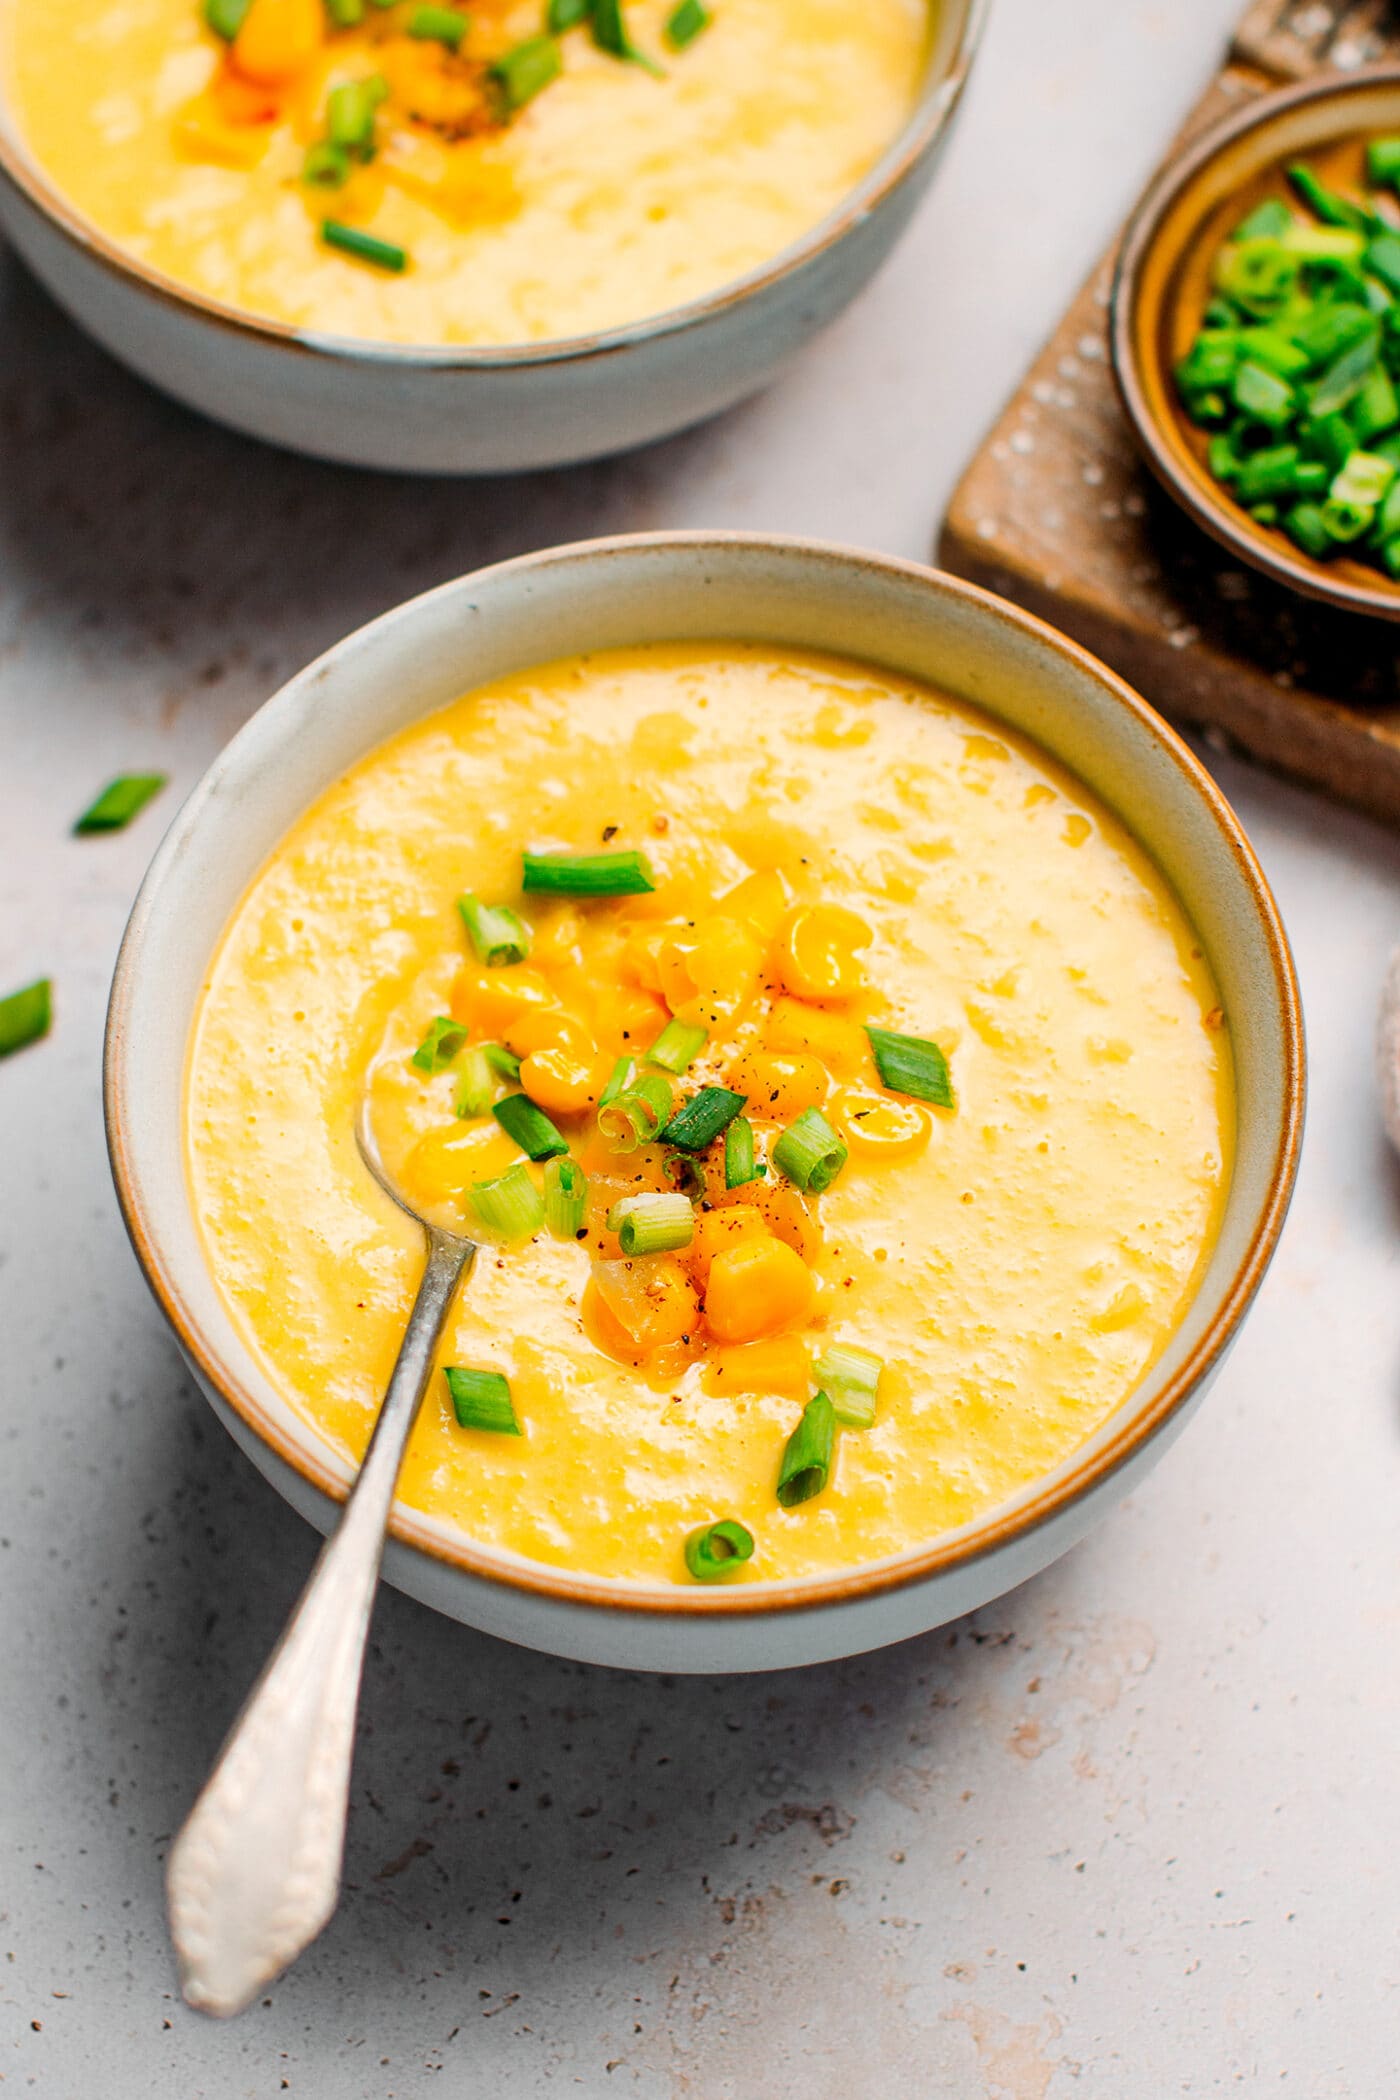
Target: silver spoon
x=255, y=1873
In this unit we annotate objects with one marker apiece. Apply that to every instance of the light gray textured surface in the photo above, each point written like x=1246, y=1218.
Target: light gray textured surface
x=1132, y=1832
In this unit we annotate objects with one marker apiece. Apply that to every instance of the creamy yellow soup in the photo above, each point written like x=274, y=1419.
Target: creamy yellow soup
x=608, y=195
x=1013, y=1258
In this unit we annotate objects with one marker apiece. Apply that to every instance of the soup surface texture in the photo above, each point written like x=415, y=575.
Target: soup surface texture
x=606, y=195
x=829, y=848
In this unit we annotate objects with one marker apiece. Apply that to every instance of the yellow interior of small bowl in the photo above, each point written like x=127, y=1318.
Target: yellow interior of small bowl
x=1173, y=287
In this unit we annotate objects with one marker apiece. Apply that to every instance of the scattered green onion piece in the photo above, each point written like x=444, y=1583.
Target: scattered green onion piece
x=656, y=1224
x=350, y=112
x=481, y=1400
x=1329, y=207
x=325, y=166
x=476, y=1085
x=531, y=1128
x=851, y=1379
x=364, y=246
x=510, y=1205
x=686, y=1172
x=610, y=34
x=346, y=14
x=909, y=1064
x=588, y=874
x=437, y=25
x=686, y=23
x=567, y=14
x=225, y=17
x=703, y=1117
x=636, y=1116
x=678, y=1046
x=440, y=1045
x=715, y=1550
x=497, y=933
x=809, y=1152
x=501, y=1060
x=25, y=1016
x=1383, y=160
x=565, y=1197
x=123, y=799
x=520, y=74
x=740, y=1165
x=806, y=1462
x=623, y=1073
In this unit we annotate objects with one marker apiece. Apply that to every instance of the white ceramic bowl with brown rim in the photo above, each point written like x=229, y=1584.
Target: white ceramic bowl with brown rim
x=434, y=409
x=666, y=587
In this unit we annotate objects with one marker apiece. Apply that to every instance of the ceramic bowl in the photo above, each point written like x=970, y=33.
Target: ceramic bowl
x=651, y=588
x=1161, y=287
x=439, y=410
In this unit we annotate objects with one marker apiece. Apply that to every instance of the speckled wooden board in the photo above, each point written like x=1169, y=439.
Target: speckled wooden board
x=1057, y=512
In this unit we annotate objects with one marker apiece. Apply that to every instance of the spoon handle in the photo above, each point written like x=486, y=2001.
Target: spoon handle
x=255, y=1873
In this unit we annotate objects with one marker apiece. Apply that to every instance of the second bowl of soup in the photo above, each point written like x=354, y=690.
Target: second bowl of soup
x=446, y=238
x=870, y=1140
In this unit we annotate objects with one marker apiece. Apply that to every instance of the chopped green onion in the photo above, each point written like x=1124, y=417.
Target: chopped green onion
x=1344, y=521
x=740, y=1165
x=350, y=112
x=567, y=14
x=686, y=23
x=703, y=1117
x=809, y=1152
x=225, y=17
x=1305, y=527
x=806, y=1464
x=715, y=1550
x=1258, y=275
x=481, y=1400
x=120, y=801
x=325, y=167
x=652, y=1224
x=623, y=1074
x=510, y=1205
x=1342, y=245
x=1366, y=478
x=1376, y=408
x=437, y=25
x=909, y=1064
x=346, y=14
x=1346, y=376
x=1262, y=394
x=636, y=1116
x=25, y=1015
x=364, y=246
x=610, y=34
x=1267, y=221
x=520, y=74
x=501, y=1060
x=1329, y=207
x=686, y=1172
x=530, y=1127
x=851, y=1377
x=565, y=1197
x=476, y=1087
x=678, y=1046
x=1383, y=160
x=498, y=934
x=588, y=874
x=440, y=1045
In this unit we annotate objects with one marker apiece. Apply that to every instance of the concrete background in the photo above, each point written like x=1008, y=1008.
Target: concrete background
x=1130, y=1832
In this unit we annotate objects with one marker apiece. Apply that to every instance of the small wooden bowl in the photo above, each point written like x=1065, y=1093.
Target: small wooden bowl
x=1162, y=284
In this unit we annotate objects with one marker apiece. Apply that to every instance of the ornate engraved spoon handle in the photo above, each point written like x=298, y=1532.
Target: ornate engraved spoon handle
x=255, y=1873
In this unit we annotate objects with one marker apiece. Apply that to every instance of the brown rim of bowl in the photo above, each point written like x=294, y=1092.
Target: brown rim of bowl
x=1217, y=514
x=938, y=101
x=1003, y=1525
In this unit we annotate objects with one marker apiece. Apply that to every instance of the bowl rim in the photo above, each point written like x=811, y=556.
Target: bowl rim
x=1032, y=1508
x=937, y=101
x=1219, y=517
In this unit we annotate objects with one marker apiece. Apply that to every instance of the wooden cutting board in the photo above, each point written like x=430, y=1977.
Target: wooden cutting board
x=1057, y=512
